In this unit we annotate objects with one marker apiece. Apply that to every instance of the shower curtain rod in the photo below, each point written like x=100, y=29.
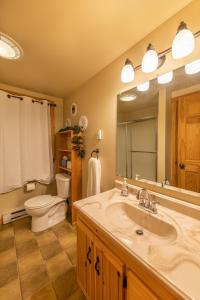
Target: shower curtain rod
x=137, y=120
x=34, y=99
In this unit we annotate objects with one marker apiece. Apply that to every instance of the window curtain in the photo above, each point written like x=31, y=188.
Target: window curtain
x=25, y=142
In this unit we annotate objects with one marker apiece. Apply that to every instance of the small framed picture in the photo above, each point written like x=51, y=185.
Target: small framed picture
x=73, y=109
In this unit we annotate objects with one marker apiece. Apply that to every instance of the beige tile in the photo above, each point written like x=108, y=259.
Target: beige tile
x=65, y=285
x=31, y=262
x=46, y=237
x=77, y=295
x=26, y=247
x=51, y=249
x=6, y=231
x=11, y=291
x=8, y=273
x=62, y=229
x=7, y=257
x=32, y=282
x=72, y=254
x=22, y=224
x=23, y=236
x=68, y=240
x=58, y=265
x=46, y=292
x=6, y=244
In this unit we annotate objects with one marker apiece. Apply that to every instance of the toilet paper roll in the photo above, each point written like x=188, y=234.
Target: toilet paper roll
x=30, y=186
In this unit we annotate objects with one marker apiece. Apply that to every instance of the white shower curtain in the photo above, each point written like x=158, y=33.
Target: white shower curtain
x=25, y=142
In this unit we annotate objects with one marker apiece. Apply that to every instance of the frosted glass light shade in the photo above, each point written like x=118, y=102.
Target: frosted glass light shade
x=193, y=67
x=127, y=73
x=165, y=78
x=128, y=97
x=143, y=87
x=9, y=48
x=150, y=60
x=183, y=43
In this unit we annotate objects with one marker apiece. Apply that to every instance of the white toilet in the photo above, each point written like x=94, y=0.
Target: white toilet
x=47, y=210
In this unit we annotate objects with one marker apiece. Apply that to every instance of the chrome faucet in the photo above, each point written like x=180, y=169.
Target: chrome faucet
x=164, y=182
x=146, y=201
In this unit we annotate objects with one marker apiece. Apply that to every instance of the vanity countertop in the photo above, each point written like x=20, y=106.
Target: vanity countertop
x=170, y=244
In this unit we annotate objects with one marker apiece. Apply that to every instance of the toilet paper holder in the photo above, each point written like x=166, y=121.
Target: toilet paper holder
x=30, y=186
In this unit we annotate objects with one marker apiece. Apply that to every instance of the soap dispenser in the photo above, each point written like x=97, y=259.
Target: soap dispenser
x=124, y=191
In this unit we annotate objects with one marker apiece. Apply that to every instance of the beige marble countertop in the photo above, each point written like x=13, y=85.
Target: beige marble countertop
x=173, y=254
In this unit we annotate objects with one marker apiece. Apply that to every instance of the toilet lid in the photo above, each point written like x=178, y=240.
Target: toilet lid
x=39, y=201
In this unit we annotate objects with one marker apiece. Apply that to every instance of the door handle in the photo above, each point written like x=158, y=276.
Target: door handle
x=88, y=255
x=182, y=166
x=97, y=266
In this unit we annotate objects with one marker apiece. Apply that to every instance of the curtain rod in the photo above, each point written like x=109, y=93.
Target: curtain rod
x=34, y=99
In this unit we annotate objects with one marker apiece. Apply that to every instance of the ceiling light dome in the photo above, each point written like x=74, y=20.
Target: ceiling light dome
x=193, y=67
x=143, y=87
x=9, y=49
x=128, y=97
x=127, y=73
x=165, y=78
x=150, y=60
x=183, y=43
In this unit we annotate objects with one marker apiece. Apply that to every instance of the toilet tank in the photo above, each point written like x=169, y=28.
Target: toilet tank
x=63, y=185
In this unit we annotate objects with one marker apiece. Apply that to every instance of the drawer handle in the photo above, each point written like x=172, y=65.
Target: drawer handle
x=88, y=255
x=97, y=266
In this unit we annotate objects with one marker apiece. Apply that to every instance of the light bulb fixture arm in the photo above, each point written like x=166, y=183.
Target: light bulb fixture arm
x=162, y=54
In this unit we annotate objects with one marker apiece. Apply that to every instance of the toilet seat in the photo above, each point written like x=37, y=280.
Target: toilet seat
x=41, y=201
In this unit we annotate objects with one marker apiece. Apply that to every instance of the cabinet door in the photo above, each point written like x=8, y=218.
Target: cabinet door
x=136, y=290
x=109, y=272
x=85, y=260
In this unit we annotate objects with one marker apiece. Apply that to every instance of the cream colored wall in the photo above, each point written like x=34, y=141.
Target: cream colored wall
x=17, y=197
x=97, y=98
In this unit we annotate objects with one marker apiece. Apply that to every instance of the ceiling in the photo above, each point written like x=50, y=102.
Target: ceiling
x=66, y=42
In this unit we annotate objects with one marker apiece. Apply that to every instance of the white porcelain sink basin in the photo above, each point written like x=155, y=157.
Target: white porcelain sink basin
x=127, y=219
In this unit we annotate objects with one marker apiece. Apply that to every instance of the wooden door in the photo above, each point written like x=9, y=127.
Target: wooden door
x=85, y=260
x=109, y=271
x=136, y=290
x=187, y=137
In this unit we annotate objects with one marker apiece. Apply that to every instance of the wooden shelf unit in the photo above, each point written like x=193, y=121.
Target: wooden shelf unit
x=64, y=147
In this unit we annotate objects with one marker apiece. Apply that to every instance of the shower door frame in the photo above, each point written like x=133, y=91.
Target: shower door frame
x=132, y=151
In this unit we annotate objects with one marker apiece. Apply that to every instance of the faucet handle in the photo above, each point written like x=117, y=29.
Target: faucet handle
x=153, y=205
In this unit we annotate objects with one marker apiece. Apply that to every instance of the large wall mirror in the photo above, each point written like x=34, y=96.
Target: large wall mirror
x=158, y=131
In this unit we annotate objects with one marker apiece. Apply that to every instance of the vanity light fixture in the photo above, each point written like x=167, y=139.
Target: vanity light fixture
x=9, y=49
x=193, y=67
x=183, y=43
x=165, y=78
x=127, y=97
x=143, y=87
x=150, y=60
x=127, y=73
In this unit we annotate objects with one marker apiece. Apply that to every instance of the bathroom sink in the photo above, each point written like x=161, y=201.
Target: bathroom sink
x=131, y=221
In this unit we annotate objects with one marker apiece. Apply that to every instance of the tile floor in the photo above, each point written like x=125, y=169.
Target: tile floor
x=38, y=266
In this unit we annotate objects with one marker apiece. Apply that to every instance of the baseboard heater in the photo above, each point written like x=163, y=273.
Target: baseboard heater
x=14, y=214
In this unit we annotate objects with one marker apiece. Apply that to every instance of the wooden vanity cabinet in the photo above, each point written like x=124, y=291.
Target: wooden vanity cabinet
x=109, y=272
x=102, y=275
x=99, y=272
x=136, y=290
x=85, y=260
